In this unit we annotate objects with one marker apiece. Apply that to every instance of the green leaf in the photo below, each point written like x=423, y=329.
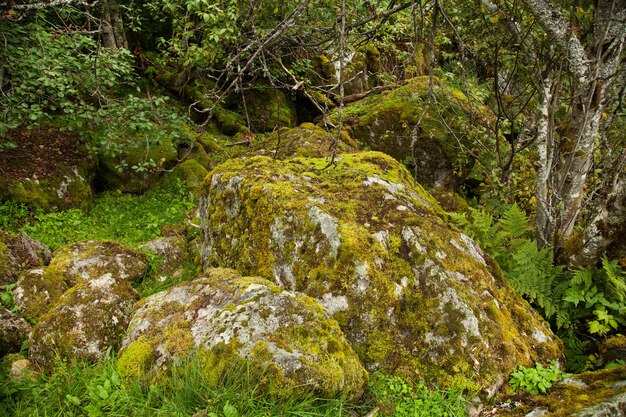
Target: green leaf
x=72, y=399
x=230, y=410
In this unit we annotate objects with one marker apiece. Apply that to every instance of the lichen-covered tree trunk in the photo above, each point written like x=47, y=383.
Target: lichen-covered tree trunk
x=592, y=67
x=609, y=223
x=545, y=218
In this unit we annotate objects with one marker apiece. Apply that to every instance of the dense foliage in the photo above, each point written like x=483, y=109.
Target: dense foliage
x=546, y=190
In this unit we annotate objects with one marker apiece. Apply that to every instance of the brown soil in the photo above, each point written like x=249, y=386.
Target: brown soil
x=39, y=153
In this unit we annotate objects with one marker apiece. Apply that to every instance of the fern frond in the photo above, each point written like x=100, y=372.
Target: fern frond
x=535, y=276
x=514, y=223
x=615, y=284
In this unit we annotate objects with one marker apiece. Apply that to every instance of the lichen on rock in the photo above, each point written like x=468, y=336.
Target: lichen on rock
x=90, y=259
x=292, y=345
x=412, y=295
x=38, y=290
x=14, y=331
x=88, y=319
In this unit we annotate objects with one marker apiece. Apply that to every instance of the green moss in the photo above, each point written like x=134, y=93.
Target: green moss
x=567, y=399
x=269, y=109
x=136, y=360
x=191, y=173
x=37, y=293
x=306, y=140
x=412, y=295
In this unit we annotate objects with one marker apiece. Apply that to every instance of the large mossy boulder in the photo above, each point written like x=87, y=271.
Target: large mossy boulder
x=307, y=140
x=290, y=343
x=39, y=289
x=413, y=295
x=432, y=136
x=88, y=319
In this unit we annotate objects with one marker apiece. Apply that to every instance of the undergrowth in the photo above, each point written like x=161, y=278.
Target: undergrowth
x=582, y=305
x=80, y=389
x=126, y=218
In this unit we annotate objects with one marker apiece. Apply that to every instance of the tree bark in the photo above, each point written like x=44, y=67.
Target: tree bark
x=609, y=223
x=113, y=34
x=593, y=69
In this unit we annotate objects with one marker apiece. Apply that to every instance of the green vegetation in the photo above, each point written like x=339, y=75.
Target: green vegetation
x=12, y=215
x=126, y=218
x=537, y=379
x=78, y=389
x=581, y=305
x=399, y=397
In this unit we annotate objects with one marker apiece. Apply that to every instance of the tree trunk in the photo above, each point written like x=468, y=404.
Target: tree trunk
x=608, y=226
x=113, y=35
x=592, y=68
x=545, y=219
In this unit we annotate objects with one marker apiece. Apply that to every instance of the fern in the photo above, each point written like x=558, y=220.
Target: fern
x=535, y=276
x=615, y=280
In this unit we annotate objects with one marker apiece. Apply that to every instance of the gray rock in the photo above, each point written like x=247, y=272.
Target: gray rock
x=87, y=320
x=613, y=407
x=91, y=259
x=14, y=330
x=286, y=337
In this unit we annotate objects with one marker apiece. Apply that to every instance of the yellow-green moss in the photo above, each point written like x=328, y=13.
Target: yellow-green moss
x=136, y=360
x=567, y=399
x=412, y=295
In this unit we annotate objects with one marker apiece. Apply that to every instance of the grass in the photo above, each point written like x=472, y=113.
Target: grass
x=125, y=218
x=83, y=390
x=80, y=389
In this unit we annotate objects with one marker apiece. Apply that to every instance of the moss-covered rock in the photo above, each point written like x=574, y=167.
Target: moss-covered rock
x=38, y=290
x=411, y=294
x=69, y=188
x=191, y=172
x=598, y=394
x=449, y=200
x=171, y=249
x=434, y=149
x=87, y=320
x=90, y=259
x=307, y=140
x=269, y=109
x=138, y=166
x=14, y=331
x=19, y=252
x=293, y=346
x=9, y=268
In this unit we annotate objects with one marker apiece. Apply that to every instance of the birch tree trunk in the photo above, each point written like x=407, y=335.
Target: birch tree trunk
x=592, y=68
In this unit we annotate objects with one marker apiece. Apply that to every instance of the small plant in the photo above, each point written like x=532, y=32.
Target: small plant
x=6, y=297
x=401, y=398
x=535, y=380
x=12, y=215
